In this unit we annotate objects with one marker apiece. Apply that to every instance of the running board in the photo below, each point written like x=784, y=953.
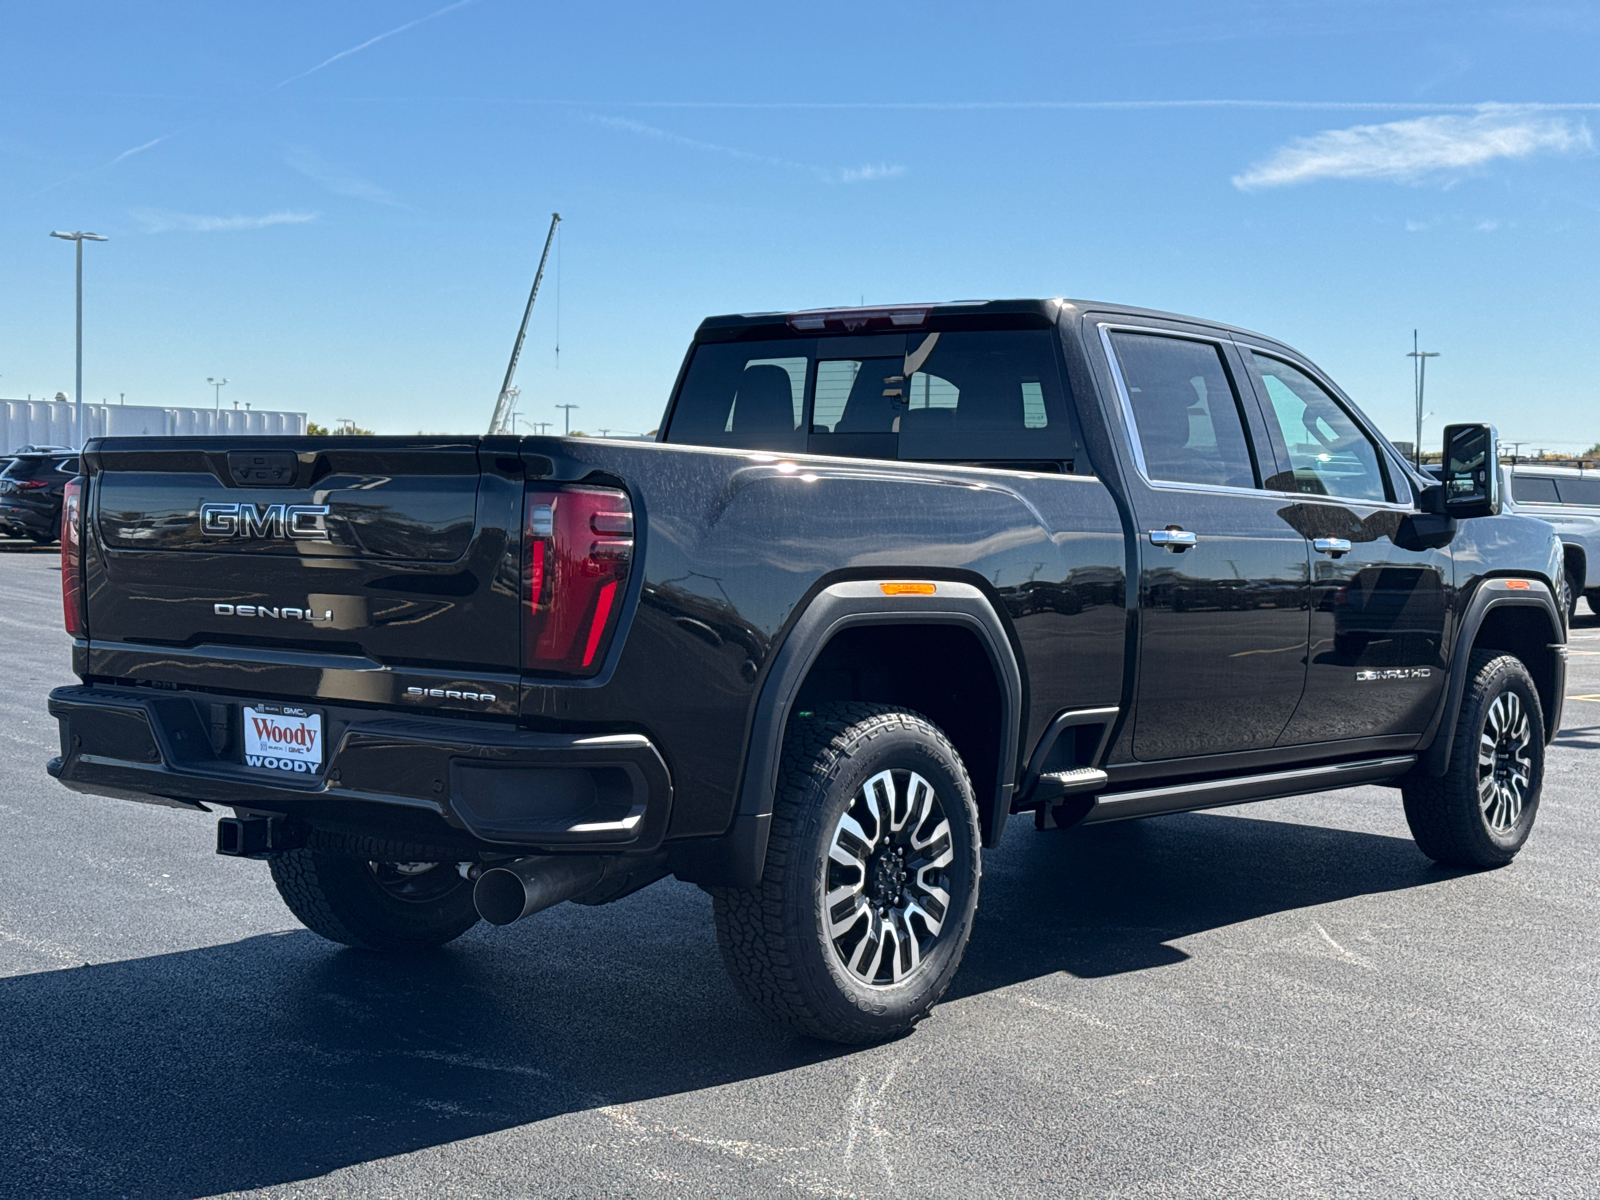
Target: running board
x=1149, y=802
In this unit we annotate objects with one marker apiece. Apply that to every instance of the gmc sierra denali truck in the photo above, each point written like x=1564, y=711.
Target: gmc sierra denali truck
x=889, y=577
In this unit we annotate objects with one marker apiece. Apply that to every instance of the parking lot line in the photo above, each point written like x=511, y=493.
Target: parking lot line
x=1595, y=698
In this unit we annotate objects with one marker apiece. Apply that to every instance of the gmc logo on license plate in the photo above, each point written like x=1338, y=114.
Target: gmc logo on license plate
x=302, y=522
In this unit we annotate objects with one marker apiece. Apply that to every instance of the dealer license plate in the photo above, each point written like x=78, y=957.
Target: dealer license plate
x=282, y=737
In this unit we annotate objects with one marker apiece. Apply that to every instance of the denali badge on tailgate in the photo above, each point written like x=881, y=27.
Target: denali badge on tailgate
x=282, y=738
x=278, y=612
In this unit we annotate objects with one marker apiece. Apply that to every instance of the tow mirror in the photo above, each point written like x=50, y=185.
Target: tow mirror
x=1471, y=472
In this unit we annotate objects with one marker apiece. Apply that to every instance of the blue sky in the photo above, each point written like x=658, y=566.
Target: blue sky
x=339, y=207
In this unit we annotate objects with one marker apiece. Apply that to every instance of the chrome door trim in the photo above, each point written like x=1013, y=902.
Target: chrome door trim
x=1107, y=328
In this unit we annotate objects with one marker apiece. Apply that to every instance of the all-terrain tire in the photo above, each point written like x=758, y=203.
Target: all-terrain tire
x=1448, y=815
x=779, y=939
x=390, y=902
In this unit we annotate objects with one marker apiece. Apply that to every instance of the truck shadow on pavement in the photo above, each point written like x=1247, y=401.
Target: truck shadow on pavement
x=281, y=1058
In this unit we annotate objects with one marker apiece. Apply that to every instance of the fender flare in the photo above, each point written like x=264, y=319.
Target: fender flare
x=1491, y=594
x=739, y=855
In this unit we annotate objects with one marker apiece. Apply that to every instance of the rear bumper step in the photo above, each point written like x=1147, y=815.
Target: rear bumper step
x=463, y=780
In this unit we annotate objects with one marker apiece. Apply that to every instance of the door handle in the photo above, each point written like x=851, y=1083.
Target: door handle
x=1172, y=538
x=1333, y=547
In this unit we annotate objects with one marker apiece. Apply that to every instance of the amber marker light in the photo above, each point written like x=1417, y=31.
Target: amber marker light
x=1517, y=585
x=908, y=589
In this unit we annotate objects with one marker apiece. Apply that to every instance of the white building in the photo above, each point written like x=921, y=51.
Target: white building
x=50, y=422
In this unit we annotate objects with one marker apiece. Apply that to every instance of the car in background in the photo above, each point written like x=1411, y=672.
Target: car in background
x=31, y=487
x=1569, y=498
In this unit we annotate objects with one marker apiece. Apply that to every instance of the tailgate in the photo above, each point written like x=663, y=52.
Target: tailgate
x=352, y=569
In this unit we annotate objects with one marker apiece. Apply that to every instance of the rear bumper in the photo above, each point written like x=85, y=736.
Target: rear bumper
x=463, y=782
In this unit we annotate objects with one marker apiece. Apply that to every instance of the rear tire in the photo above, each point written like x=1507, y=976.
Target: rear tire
x=394, y=906
x=1481, y=811
x=1574, y=582
x=870, y=887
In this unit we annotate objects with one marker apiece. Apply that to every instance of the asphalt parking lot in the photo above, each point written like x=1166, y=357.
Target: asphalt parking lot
x=1280, y=999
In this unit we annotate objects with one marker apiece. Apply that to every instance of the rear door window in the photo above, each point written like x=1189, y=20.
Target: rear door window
x=749, y=395
x=1186, y=414
x=1580, y=491
x=1534, y=489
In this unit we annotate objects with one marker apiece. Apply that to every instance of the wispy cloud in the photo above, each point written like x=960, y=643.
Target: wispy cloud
x=1426, y=148
x=129, y=153
x=138, y=149
x=1036, y=105
x=871, y=171
x=336, y=179
x=373, y=41
x=826, y=174
x=160, y=220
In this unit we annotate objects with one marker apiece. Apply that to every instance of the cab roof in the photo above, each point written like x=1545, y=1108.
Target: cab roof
x=954, y=314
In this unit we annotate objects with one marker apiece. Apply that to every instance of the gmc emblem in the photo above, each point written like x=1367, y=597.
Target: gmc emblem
x=302, y=522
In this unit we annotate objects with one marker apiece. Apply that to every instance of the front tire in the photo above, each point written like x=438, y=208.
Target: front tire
x=1481, y=811
x=390, y=905
x=871, y=880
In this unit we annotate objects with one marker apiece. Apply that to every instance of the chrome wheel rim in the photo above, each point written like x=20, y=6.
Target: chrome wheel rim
x=887, y=891
x=1505, y=768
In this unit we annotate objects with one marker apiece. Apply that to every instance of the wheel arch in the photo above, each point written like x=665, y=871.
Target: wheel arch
x=1523, y=621
x=1575, y=554
x=844, y=620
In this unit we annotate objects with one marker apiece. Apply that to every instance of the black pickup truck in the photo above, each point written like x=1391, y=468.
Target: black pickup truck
x=888, y=577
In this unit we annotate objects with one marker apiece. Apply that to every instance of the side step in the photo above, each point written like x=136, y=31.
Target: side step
x=1212, y=793
x=1052, y=789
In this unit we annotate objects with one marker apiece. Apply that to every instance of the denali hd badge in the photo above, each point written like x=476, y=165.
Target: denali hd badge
x=284, y=613
x=302, y=522
x=1370, y=676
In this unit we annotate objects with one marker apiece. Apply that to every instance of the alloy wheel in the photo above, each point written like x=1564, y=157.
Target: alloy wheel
x=1505, y=771
x=887, y=888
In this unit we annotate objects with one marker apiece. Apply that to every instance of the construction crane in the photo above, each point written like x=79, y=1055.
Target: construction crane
x=501, y=421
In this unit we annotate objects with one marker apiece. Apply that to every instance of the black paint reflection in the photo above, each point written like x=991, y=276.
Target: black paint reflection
x=1379, y=608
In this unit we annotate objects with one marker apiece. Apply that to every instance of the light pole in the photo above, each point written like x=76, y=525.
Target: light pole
x=567, y=429
x=80, y=237
x=217, y=384
x=1420, y=371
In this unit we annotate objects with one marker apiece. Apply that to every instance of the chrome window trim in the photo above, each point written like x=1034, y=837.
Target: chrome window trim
x=1107, y=328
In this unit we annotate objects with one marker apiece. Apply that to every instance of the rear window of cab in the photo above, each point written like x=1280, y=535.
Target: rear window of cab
x=992, y=396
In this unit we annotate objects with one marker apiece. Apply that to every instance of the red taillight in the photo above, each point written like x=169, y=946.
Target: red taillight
x=32, y=485
x=577, y=549
x=72, y=558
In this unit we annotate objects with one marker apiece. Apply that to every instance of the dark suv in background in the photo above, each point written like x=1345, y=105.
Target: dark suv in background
x=31, y=486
